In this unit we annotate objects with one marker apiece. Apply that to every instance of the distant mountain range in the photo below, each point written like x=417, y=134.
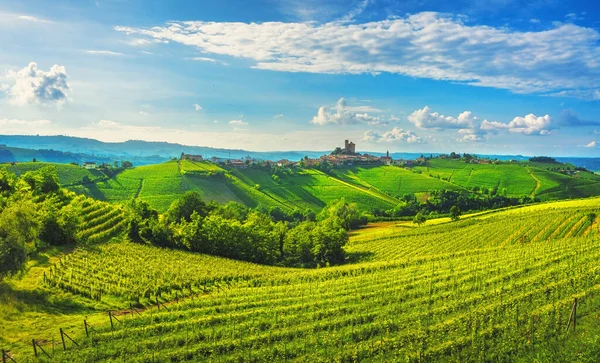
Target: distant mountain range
x=65, y=149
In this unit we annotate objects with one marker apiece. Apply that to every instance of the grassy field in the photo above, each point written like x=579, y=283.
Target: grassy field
x=492, y=286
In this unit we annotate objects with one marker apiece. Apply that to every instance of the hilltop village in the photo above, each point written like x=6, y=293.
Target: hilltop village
x=346, y=155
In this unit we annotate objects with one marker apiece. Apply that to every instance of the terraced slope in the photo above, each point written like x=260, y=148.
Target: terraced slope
x=467, y=291
x=100, y=220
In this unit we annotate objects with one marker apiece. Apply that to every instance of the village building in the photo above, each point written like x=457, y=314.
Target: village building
x=191, y=157
x=386, y=159
x=283, y=162
x=237, y=163
x=89, y=165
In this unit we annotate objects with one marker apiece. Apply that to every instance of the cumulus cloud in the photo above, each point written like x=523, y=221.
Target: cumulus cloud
x=427, y=45
x=197, y=107
x=528, y=125
x=426, y=119
x=591, y=145
x=394, y=135
x=31, y=85
x=238, y=122
x=343, y=114
x=471, y=135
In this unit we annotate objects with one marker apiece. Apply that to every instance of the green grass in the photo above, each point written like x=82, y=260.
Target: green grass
x=463, y=291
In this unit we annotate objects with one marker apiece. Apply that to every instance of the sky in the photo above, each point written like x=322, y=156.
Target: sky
x=486, y=77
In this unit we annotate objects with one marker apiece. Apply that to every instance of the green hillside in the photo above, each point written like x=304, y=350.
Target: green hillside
x=497, y=286
x=68, y=174
x=515, y=179
x=371, y=187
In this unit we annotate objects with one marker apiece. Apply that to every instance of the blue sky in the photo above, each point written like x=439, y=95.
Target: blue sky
x=499, y=76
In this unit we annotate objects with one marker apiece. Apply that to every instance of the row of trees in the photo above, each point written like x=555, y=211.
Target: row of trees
x=235, y=231
x=442, y=201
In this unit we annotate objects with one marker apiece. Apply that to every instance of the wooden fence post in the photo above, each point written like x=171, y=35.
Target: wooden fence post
x=62, y=337
x=34, y=348
x=112, y=327
x=575, y=315
x=86, y=329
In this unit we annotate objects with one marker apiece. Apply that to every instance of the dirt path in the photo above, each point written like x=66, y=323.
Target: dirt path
x=538, y=183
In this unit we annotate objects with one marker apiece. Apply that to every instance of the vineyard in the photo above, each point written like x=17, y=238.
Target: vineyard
x=100, y=221
x=496, y=286
x=371, y=187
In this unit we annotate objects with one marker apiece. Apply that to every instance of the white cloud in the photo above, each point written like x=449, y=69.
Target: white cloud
x=528, y=125
x=471, y=135
x=342, y=114
x=108, y=123
x=103, y=52
x=9, y=122
x=426, y=45
x=144, y=113
x=34, y=86
x=278, y=116
x=237, y=122
x=32, y=19
x=591, y=144
x=197, y=107
x=426, y=119
x=534, y=21
x=394, y=135
x=204, y=59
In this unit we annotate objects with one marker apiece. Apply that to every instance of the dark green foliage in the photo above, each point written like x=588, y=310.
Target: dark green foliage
x=455, y=213
x=542, y=159
x=42, y=181
x=182, y=208
x=350, y=217
x=419, y=219
x=262, y=236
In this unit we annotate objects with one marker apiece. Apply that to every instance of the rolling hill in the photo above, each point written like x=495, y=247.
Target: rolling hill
x=371, y=187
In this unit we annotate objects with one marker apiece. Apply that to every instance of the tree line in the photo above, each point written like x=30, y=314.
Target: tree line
x=257, y=235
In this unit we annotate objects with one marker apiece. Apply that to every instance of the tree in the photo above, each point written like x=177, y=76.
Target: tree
x=42, y=181
x=591, y=217
x=126, y=164
x=419, y=219
x=347, y=213
x=455, y=213
x=184, y=207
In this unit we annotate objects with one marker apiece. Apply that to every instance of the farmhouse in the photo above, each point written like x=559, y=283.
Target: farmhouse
x=89, y=165
x=237, y=163
x=283, y=162
x=191, y=157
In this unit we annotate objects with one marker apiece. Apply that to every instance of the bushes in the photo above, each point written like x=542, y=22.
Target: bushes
x=237, y=232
